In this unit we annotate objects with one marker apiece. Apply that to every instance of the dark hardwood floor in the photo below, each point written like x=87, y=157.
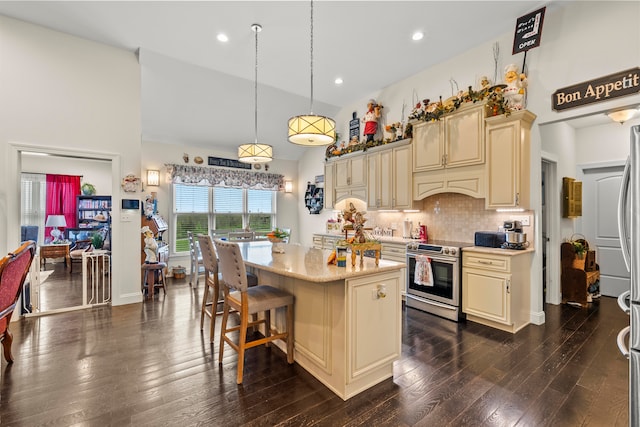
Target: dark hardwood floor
x=149, y=364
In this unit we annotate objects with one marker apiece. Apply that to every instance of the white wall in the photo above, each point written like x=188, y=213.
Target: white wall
x=580, y=41
x=65, y=95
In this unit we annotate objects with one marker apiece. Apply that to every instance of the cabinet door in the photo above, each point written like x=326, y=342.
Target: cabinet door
x=503, y=171
x=508, y=160
x=428, y=146
x=402, y=178
x=374, y=310
x=358, y=168
x=464, y=137
x=486, y=294
x=341, y=177
x=329, y=183
x=373, y=181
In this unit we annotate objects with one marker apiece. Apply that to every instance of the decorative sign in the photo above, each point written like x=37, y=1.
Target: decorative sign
x=354, y=127
x=528, y=31
x=601, y=89
x=228, y=163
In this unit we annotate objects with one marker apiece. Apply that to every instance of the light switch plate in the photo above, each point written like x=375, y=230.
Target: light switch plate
x=524, y=219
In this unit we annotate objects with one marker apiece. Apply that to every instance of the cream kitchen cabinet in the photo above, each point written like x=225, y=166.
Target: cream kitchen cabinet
x=329, y=190
x=323, y=241
x=350, y=172
x=348, y=179
x=389, y=177
x=496, y=287
x=508, y=160
x=455, y=141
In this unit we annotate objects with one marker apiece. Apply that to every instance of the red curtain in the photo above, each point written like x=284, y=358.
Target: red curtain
x=61, y=198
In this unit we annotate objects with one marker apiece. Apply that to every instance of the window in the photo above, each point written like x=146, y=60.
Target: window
x=191, y=208
x=33, y=201
x=199, y=209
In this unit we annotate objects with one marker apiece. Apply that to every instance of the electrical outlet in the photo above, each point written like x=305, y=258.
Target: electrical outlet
x=524, y=219
x=394, y=225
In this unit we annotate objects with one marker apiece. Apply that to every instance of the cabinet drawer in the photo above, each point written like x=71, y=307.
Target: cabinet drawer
x=486, y=262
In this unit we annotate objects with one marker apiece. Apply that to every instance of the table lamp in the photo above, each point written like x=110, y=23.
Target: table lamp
x=56, y=221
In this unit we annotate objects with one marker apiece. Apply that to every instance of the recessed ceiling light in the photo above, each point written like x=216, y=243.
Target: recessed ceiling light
x=418, y=35
x=338, y=81
x=222, y=38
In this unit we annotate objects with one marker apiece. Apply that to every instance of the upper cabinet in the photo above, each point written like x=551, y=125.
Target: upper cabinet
x=328, y=186
x=350, y=172
x=455, y=141
x=389, y=177
x=449, y=155
x=350, y=178
x=508, y=160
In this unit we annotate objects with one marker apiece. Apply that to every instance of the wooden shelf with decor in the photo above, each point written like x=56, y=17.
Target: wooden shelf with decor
x=578, y=274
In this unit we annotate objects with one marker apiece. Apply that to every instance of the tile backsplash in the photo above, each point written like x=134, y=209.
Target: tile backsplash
x=448, y=216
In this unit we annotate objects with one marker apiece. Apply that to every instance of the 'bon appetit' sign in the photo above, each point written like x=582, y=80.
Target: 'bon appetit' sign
x=601, y=89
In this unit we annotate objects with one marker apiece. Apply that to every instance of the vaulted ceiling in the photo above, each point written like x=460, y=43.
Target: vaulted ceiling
x=199, y=91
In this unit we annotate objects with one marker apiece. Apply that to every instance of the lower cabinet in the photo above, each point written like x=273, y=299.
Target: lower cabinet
x=321, y=241
x=496, y=288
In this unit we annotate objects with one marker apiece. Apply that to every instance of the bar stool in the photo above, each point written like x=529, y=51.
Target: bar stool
x=248, y=301
x=157, y=275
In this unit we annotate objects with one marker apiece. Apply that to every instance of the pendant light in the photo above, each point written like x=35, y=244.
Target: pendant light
x=311, y=129
x=255, y=153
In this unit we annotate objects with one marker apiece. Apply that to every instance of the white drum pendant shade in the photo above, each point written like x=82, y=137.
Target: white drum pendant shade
x=312, y=130
x=255, y=153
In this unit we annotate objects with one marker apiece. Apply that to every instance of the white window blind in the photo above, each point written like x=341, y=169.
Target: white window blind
x=33, y=198
x=191, y=199
x=227, y=200
x=259, y=201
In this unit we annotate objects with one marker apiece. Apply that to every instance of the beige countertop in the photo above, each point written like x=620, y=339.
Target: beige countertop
x=309, y=263
x=498, y=251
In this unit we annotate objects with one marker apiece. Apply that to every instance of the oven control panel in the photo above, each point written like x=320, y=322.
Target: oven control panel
x=425, y=248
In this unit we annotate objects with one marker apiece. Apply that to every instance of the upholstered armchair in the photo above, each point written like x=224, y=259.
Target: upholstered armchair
x=13, y=271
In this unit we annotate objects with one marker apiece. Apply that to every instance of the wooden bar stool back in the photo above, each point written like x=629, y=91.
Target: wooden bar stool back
x=249, y=300
x=212, y=295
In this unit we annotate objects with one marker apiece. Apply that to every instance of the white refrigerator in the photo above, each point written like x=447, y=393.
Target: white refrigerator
x=629, y=301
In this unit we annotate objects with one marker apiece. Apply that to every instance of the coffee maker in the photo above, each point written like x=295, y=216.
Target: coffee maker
x=514, y=237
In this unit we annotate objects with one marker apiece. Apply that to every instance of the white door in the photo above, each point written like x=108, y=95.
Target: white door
x=600, y=189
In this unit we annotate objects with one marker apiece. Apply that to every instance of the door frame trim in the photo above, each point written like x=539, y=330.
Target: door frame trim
x=554, y=292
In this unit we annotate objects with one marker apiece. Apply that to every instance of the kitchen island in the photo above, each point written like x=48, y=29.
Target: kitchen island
x=347, y=321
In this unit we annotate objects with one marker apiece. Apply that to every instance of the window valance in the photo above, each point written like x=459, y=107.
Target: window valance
x=222, y=177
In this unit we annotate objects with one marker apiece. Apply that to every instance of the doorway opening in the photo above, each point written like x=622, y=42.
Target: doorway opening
x=550, y=225
x=82, y=280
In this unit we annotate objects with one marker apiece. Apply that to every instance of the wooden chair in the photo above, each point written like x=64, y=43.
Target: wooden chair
x=157, y=280
x=197, y=264
x=249, y=300
x=13, y=271
x=211, y=297
x=75, y=252
x=575, y=275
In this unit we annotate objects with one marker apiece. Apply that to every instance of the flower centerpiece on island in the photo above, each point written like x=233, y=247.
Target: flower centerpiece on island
x=276, y=237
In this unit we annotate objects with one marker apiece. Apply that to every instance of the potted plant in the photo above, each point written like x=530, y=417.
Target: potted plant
x=97, y=240
x=579, y=249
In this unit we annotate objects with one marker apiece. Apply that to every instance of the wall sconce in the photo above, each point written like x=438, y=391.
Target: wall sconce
x=153, y=177
x=288, y=186
x=621, y=116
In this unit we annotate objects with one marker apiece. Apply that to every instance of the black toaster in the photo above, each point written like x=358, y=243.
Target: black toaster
x=489, y=239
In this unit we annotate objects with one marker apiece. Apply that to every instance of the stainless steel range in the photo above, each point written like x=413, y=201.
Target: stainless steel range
x=439, y=291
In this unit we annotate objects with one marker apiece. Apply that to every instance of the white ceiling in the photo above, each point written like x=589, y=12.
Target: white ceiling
x=198, y=91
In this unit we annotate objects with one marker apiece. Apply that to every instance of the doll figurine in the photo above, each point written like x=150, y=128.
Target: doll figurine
x=150, y=246
x=370, y=120
x=514, y=93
